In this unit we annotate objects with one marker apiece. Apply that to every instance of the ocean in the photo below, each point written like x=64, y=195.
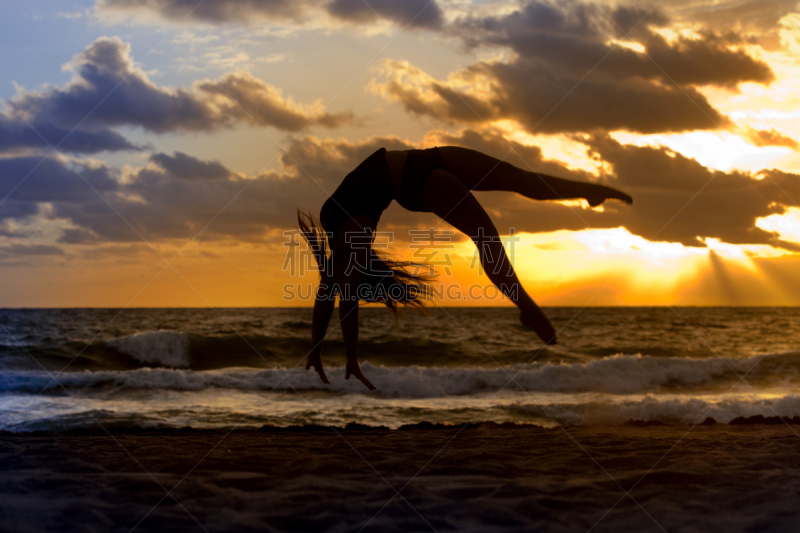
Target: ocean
x=244, y=368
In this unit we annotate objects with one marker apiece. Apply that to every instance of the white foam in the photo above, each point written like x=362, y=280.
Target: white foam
x=622, y=374
x=673, y=410
x=167, y=348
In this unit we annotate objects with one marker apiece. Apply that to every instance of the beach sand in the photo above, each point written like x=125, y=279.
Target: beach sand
x=485, y=478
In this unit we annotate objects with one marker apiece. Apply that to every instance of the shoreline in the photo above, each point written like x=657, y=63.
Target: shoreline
x=753, y=420
x=499, y=477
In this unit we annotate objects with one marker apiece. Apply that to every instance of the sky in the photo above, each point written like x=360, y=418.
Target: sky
x=155, y=152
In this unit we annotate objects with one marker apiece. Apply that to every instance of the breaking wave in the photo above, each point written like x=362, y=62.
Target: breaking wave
x=620, y=374
x=167, y=348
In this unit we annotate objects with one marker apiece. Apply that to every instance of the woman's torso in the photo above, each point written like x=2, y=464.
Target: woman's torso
x=371, y=187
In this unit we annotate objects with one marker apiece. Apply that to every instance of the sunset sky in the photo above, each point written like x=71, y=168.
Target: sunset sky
x=155, y=152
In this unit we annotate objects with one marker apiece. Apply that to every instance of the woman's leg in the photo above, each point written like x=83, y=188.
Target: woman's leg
x=350, y=258
x=446, y=196
x=481, y=172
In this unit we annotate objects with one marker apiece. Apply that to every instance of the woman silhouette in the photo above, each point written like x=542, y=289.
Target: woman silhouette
x=436, y=180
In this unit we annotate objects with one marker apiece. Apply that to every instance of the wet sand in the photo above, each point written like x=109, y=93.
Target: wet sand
x=485, y=478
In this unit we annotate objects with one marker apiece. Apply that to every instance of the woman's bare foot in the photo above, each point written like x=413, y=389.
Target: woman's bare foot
x=536, y=320
x=315, y=360
x=607, y=193
x=355, y=370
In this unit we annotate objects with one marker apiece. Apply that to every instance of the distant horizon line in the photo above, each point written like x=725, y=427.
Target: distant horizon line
x=429, y=308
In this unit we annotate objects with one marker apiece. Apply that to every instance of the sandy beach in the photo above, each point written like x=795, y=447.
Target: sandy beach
x=475, y=478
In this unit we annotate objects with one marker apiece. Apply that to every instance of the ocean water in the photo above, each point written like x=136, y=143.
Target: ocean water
x=68, y=368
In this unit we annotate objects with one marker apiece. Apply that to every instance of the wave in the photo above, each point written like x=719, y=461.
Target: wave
x=167, y=348
x=620, y=374
x=670, y=411
x=592, y=413
x=286, y=347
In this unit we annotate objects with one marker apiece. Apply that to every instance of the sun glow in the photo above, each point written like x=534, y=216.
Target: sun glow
x=561, y=148
x=786, y=225
x=615, y=267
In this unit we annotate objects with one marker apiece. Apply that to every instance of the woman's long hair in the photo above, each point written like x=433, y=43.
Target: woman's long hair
x=388, y=280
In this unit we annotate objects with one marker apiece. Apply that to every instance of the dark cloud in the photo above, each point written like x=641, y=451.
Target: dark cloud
x=35, y=181
x=676, y=199
x=727, y=208
x=662, y=183
x=27, y=183
x=215, y=11
x=704, y=61
x=574, y=37
x=531, y=95
x=27, y=254
x=169, y=201
x=17, y=134
x=568, y=76
x=628, y=18
x=105, y=74
x=187, y=167
x=414, y=13
x=14, y=250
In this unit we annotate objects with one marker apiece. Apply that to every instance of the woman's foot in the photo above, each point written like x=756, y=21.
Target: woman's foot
x=315, y=360
x=604, y=193
x=536, y=320
x=355, y=370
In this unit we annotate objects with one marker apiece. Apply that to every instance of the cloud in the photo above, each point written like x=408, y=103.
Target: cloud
x=771, y=138
x=52, y=180
x=574, y=37
x=16, y=134
x=244, y=97
x=531, y=96
x=22, y=254
x=752, y=20
x=175, y=196
x=8, y=230
x=725, y=207
x=570, y=73
x=105, y=73
x=414, y=13
x=676, y=199
x=187, y=167
x=703, y=61
x=28, y=183
x=214, y=11
x=667, y=205
x=15, y=250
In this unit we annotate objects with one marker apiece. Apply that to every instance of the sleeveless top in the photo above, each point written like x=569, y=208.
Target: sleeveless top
x=418, y=167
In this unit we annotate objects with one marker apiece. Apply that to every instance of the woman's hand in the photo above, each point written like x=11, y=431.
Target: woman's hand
x=315, y=360
x=355, y=370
